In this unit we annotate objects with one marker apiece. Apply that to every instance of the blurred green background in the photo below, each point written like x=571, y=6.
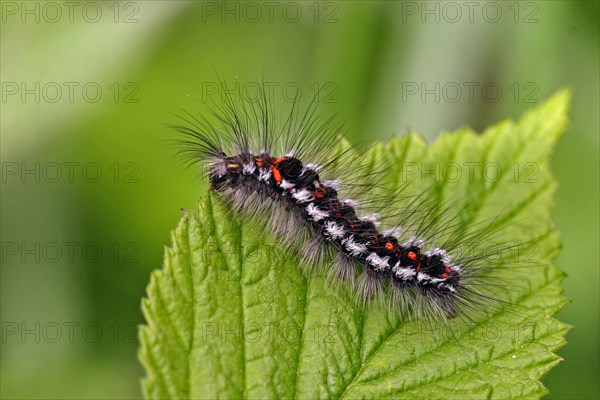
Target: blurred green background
x=90, y=192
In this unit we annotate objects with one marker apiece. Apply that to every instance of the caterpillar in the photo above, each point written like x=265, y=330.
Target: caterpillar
x=284, y=172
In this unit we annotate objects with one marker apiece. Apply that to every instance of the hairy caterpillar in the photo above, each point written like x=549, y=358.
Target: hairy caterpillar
x=285, y=173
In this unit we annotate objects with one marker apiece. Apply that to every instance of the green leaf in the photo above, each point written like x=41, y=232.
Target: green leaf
x=231, y=316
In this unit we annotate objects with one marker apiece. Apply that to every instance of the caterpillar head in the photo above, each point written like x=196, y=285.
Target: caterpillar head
x=230, y=170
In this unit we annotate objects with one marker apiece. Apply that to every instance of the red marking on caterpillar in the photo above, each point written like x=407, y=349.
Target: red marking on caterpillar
x=265, y=172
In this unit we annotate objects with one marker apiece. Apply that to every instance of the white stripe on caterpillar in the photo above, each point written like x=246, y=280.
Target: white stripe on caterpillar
x=264, y=174
x=286, y=185
x=302, y=196
x=315, y=213
x=334, y=230
x=248, y=169
x=379, y=263
x=353, y=247
x=403, y=273
x=350, y=202
x=441, y=254
x=373, y=218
